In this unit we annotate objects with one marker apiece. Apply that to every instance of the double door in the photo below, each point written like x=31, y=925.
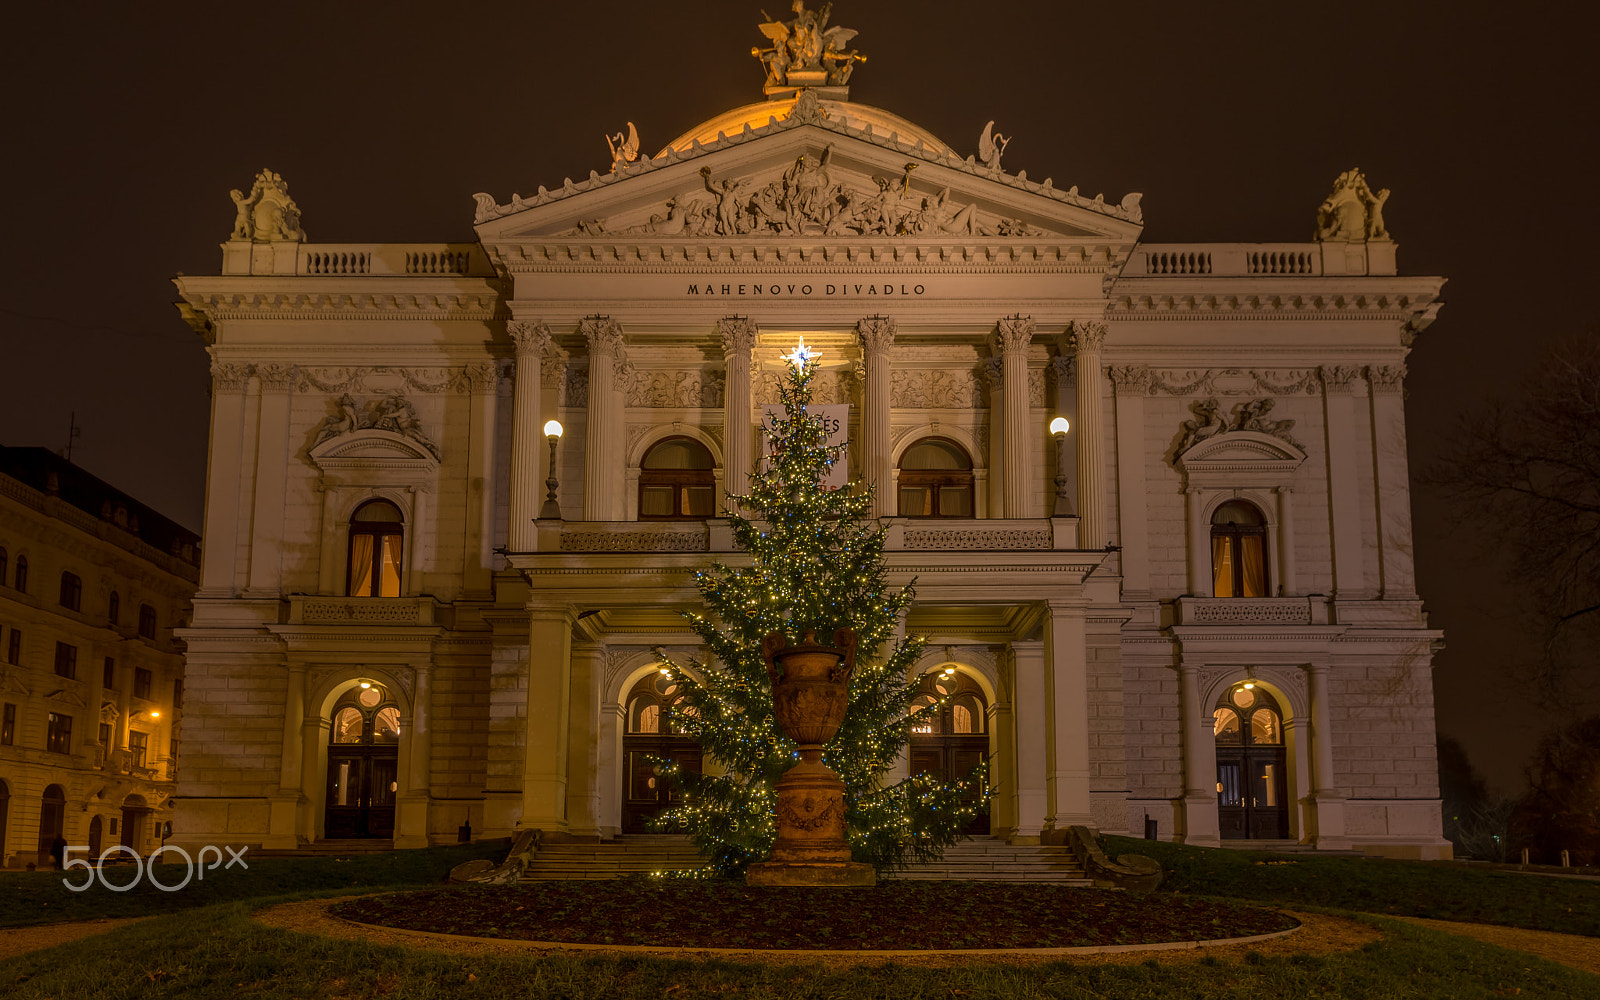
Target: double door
x=1252, y=793
x=951, y=758
x=362, y=784
x=648, y=792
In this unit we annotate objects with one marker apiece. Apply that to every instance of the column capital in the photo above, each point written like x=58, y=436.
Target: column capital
x=1086, y=335
x=229, y=376
x=1131, y=380
x=530, y=338
x=1387, y=379
x=1013, y=333
x=992, y=371
x=603, y=334
x=876, y=333
x=481, y=378
x=1339, y=379
x=738, y=335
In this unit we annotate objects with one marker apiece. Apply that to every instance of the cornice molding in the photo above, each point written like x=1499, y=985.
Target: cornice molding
x=302, y=305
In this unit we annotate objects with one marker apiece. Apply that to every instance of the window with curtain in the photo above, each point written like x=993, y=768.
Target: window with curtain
x=377, y=535
x=935, y=479
x=1238, y=551
x=677, y=481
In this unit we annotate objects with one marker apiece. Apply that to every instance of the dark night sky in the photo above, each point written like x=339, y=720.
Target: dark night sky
x=127, y=125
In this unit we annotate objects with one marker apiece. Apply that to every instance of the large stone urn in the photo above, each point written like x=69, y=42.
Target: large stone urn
x=810, y=693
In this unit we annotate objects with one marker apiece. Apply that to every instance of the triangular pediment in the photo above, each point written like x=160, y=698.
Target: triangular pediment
x=792, y=180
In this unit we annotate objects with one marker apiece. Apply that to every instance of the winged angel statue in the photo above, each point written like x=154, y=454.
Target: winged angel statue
x=805, y=51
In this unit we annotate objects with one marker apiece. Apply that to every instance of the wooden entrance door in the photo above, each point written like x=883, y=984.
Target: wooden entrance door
x=953, y=739
x=363, y=764
x=1252, y=766
x=651, y=736
x=52, y=819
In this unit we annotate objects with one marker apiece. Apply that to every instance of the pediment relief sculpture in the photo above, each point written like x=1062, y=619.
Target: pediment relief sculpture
x=675, y=389
x=807, y=200
x=267, y=214
x=1252, y=415
x=392, y=414
x=1352, y=213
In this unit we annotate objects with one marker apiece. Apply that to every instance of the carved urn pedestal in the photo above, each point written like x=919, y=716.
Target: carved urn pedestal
x=810, y=693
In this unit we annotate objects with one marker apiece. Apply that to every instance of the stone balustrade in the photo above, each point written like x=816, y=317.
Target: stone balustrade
x=318, y=610
x=1288, y=260
x=905, y=534
x=1252, y=610
x=391, y=258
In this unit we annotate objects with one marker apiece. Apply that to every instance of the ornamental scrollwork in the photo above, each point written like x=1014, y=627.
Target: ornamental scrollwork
x=738, y=335
x=1131, y=380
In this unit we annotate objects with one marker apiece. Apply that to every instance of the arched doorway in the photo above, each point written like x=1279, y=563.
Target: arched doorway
x=134, y=811
x=95, y=836
x=650, y=734
x=363, y=763
x=955, y=738
x=52, y=818
x=1252, y=765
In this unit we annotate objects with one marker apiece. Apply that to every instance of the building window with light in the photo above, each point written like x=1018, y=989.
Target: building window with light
x=677, y=481
x=1238, y=551
x=935, y=479
x=377, y=535
x=58, y=733
x=8, y=724
x=138, y=746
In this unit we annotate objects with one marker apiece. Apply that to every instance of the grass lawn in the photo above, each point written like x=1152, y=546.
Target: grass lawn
x=203, y=947
x=1370, y=885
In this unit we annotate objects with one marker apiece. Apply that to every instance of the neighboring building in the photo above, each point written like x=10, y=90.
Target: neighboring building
x=1204, y=616
x=92, y=583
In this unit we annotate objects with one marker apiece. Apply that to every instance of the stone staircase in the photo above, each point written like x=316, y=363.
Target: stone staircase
x=983, y=858
x=990, y=859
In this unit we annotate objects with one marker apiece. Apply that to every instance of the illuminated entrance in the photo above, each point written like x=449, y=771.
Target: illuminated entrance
x=1252, y=765
x=363, y=763
x=955, y=739
x=650, y=734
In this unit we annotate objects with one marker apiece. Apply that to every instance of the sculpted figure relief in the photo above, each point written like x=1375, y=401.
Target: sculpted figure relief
x=1208, y=423
x=624, y=148
x=1352, y=213
x=267, y=214
x=1250, y=415
x=394, y=413
x=991, y=145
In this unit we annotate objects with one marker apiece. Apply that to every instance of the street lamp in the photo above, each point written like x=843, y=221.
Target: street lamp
x=551, y=509
x=1059, y=428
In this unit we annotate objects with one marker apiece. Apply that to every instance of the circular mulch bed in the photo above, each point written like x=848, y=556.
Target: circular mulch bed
x=899, y=916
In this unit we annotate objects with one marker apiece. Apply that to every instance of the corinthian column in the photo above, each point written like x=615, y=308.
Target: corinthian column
x=527, y=437
x=877, y=335
x=1086, y=338
x=1012, y=336
x=738, y=338
x=603, y=437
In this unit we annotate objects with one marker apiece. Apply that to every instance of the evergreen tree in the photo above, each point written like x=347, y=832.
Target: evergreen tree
x=815, y=562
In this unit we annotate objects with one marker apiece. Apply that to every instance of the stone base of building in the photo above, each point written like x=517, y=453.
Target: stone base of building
x=798, y=873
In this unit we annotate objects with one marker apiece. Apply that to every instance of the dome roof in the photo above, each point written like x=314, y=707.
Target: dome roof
x=844, y=112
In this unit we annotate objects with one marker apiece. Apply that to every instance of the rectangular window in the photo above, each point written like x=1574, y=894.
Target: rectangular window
x=71, y=591
x=141, y=682
x=8, y=725
x=108, y=675
x=14, y=647
x=138, y=745
x=105, y=745
x=66, y=660
x=147, y=621
x=58, y=737
x=177, y=693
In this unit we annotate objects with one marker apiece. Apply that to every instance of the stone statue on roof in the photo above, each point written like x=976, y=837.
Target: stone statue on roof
x=806, y=52
x=267, y=214
x=1353, y=213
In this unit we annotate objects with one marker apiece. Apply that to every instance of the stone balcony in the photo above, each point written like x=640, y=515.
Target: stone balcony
x=904, y=535
x=1264, y=260
x=356, y=259
x=1252, y=610
x=318, y=610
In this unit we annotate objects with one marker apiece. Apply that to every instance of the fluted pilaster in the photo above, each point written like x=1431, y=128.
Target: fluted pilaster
x=877, y=336
x=603, y=444
x=527, y=435
x=1086, y=338
x=1012, y=336
x=738, y=339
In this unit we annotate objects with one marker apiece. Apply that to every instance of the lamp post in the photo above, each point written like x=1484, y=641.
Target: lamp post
x=1059, y=427
x=551, y=510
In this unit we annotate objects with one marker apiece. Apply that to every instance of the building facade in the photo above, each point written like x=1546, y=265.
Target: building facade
x=92, y=584
x=1195, y=607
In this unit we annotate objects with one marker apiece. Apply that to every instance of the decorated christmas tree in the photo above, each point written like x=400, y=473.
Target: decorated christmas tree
x=815, y=563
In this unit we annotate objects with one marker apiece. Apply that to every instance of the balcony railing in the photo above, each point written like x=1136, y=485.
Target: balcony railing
x=905, y=534
x=1252, y=610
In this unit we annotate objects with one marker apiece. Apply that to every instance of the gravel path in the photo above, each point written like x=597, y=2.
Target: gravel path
x=1574, y=950
x=20, y=940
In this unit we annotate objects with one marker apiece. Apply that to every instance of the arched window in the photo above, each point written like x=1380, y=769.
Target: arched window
x=952, y=739
x=677, y=481
x=654, y=735
x=365, y=716
x=1252, y=763
x=376, y=534
x=22, y=573
x=935, y=479
x=71, y=592
x=114, y=608
x=1238, y=551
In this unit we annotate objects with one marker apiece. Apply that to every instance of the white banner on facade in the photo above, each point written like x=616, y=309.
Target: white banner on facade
x=835, y=419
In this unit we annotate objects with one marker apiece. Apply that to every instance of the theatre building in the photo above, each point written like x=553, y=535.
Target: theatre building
x=418, y=607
